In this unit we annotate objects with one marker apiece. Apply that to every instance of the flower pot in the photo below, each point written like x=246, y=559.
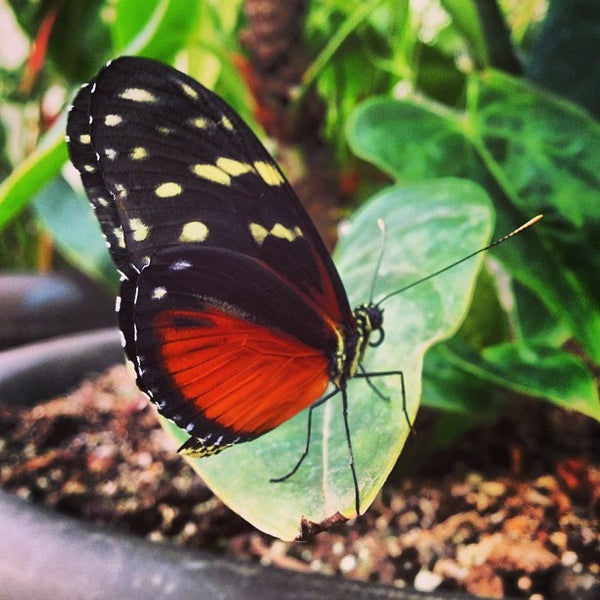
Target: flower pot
x=36, y=307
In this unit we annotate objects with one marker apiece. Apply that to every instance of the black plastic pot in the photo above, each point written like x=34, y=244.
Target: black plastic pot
x=36, y=307
x=47, y=555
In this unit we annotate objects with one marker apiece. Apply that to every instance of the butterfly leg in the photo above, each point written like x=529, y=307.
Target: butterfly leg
x=350, y=452
x=308, y=435
x=348, y=439
x=368, y=376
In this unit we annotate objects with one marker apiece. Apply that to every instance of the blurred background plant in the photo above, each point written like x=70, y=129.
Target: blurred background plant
x=357, y=96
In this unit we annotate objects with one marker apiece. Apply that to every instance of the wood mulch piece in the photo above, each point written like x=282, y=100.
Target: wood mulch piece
x=508, y=530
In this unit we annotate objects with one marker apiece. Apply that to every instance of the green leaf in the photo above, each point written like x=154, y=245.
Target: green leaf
x=35, y=172
x=427, y=226
x=409, y=141
x=448, y=387
x=535, y=154
x=541, y=371
x=155, y=28
x=71, y=222
x=545, y=153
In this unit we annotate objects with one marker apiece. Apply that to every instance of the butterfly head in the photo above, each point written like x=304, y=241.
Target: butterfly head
x=369, y=320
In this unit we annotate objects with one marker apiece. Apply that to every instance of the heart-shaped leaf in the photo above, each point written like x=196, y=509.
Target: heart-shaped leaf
x=427, y=226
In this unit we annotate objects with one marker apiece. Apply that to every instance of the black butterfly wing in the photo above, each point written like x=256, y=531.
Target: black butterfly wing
x=178, y=166
x=221, y=264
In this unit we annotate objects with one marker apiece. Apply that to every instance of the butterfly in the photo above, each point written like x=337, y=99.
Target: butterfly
x=231, y=309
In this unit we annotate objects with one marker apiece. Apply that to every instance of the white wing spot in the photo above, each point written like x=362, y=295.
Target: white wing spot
x=112, y=120
x=110, y=153
x=180, y=265
x=194, y=231
x=117, y=303
x=85, y=138
x=138, y=153
x=269, y=173
x=139, y=228
x=102, y=201
x=212, y=173
x=168, y=190
x=138, y=95
x=158, y=293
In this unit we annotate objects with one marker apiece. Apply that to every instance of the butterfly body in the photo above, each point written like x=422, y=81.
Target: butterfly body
x=231, y=309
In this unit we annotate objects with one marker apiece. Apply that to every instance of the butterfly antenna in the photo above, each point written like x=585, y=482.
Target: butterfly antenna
x=381, y=225
x=458, y=262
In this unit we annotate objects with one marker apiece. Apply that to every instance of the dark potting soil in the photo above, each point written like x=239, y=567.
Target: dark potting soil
x=509, y=510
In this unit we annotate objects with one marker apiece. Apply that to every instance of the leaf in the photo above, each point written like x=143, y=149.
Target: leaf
x=545, y=152
x=156, y=28
x=427, y=226
x=17, y=190
x=69, y=218
x=535, y=154
x=538, y=370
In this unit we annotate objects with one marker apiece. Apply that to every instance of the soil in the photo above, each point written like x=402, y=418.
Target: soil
x=509, y=510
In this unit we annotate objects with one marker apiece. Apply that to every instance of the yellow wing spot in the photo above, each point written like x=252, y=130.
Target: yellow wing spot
x=89, y=168
x=112, y=120
x=260, y=233
x=138, y=153
x=235, y=168
x=226, y=123
x=85, y=138
x=188, y=90
x=139, y=228
x=194, y=231
x=269, y=173
x=285, y=233
x=164, y=130
x=102, y=201
x=211, y=173
x=168, y=190
x=138, y=95
x=199, y=122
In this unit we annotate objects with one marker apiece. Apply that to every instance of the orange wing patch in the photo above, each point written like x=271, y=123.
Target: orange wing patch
x=243, y=376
